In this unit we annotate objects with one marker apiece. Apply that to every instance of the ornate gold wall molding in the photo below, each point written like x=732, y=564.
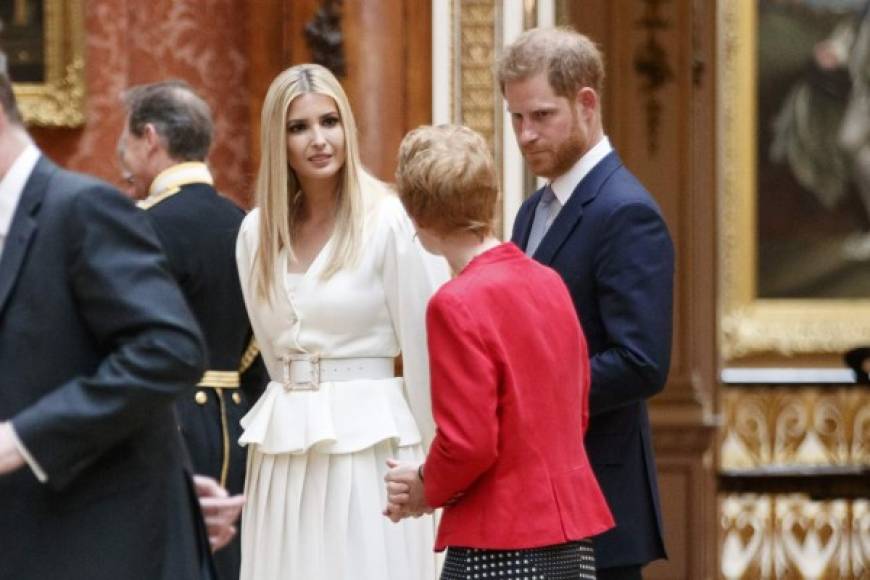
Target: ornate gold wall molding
x=790, y=536
x=476, y=92
x=59, y=101
x=779, y=427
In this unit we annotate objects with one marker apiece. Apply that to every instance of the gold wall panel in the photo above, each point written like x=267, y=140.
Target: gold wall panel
x=778, y=427
x=790, y=537
x=477, y=91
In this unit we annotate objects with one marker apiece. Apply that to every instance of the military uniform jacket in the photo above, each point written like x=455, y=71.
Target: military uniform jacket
x=198, y=229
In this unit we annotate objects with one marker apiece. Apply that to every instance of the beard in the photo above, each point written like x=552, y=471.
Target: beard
x=568, y=152
x=562, y=155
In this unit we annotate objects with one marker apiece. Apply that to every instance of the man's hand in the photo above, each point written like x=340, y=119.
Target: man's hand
x=10, y=457
x=405, y=496
x=219, y=510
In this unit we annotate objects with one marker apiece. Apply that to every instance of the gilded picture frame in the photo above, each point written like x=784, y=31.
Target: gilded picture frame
x=752, y=327
x=57, y=99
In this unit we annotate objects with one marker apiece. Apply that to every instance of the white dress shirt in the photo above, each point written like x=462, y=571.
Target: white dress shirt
x=564, y=185
x=558, y=192
x=11, y=187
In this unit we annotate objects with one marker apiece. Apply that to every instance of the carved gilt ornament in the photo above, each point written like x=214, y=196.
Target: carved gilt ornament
x=60, y=100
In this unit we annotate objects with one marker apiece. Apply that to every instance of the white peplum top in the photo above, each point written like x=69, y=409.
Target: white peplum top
x=375, y=308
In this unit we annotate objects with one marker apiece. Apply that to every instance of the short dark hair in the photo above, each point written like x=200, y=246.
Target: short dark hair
x=180, y=117
x=7, y=95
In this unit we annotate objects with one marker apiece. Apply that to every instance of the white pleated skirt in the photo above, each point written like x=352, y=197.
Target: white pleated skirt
x=318, y=516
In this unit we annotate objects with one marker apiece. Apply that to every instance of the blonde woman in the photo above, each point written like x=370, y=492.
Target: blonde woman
x=336, y=287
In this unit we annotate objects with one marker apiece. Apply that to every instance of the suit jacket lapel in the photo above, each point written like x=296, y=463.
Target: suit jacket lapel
x=523, y=223
x=570, y=215
x=23, y=228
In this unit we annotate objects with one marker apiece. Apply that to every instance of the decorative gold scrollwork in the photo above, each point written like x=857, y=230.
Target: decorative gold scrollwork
x=476, y=84
x=60, y=100
x=791, y=536
x=804, y=427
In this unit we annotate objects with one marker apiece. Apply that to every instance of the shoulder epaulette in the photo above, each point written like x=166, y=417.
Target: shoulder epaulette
x=248, y=358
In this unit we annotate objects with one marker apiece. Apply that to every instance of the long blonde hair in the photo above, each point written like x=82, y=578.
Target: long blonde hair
x=277, y=191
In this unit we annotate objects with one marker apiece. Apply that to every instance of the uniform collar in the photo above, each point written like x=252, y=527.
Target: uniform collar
x=180, y=175
x=169, y=181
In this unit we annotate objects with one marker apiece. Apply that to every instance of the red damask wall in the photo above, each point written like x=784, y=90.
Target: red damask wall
x=203, y=42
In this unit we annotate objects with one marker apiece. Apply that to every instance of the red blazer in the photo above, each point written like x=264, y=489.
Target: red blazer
x=510, y=388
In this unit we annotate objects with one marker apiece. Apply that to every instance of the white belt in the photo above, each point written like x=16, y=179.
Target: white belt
x=305, y=372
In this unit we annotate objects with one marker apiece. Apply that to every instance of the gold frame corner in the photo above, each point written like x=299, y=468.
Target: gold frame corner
x=60, y=100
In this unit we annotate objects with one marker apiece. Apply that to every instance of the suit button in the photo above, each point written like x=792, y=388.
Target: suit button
x=201, y=398
x=237, y=398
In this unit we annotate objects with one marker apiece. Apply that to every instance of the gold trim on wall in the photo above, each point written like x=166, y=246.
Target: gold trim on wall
x=750, y=326
x=792, y=536
x=779, y=427
x=60, y=100
x=477, y=92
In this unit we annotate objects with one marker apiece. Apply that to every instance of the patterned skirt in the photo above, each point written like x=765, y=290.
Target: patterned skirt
x=571, y=561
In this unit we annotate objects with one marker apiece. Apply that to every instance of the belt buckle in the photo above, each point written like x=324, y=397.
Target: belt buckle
x=313, y=382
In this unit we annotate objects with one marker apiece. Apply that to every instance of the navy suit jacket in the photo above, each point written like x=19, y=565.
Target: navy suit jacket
x=96, y=343
x=611, y=246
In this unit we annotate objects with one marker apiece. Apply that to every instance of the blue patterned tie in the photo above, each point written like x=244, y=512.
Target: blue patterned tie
x=545, y=213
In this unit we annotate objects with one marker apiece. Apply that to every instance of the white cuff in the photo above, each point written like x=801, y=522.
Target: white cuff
x=34, y=466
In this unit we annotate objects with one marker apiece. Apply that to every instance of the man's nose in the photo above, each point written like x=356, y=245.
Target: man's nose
x=526, y=133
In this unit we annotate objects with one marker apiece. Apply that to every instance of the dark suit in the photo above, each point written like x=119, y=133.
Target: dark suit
x=96, y=343
x=611, y=246
x=198, y=229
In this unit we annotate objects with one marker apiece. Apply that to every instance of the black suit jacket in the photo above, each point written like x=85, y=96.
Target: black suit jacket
x=96, y=343
x=198, y=228
x=611, y=246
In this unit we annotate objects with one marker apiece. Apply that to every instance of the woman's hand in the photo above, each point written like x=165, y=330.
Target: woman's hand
x=405, y=497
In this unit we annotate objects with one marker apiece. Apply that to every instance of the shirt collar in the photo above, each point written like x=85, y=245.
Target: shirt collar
x=564, y=185
x=178, y=176
x=12, y=185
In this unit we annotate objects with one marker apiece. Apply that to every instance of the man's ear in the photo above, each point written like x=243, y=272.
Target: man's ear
x=587, y=100
x=152, y=138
